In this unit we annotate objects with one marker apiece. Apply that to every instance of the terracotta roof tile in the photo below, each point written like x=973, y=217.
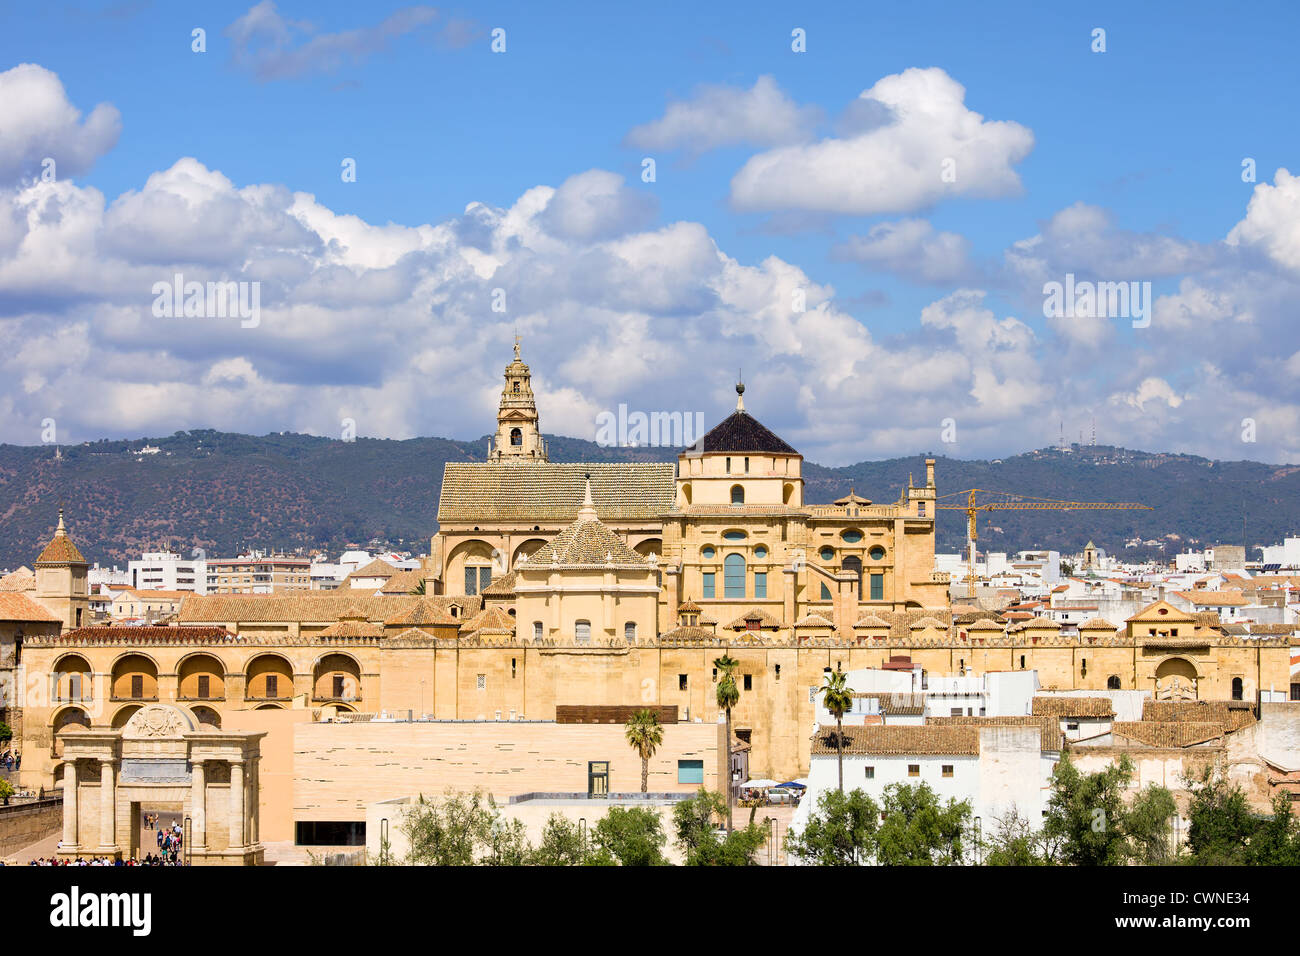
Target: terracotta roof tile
x=896, y=740
x=553, y=492
x=16, y=606
x=1063, y=705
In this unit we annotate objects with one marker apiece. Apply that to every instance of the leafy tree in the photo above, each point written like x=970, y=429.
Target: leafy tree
x=630, y=836
x=1276, y=840
x=644, y=734
x=1147, y=826
x=1013, y=842
x=918, y=830
x=562, y=844
x=6, y=791
x=1088, y=823
x=419, y=589
x=840, y=831
x=728, y=695
x=451, y=831
x=695, y=823
x=6, y=733
x=506, y=844
x=1221, y=822
x=837, y=696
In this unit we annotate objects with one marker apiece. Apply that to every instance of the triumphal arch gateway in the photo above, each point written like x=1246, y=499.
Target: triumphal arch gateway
x=161, y=762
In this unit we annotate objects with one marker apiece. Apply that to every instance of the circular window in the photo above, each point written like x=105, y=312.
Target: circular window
x=760, y=552
x=707, y=552
x=852, y=536
x=828, y=554
x=877, y=553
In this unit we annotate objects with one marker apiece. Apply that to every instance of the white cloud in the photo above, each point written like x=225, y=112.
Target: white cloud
x=1272, y=222
x=910, y=248
x=718, y=116
x=596, y=205
x=37, y=122
x=896, y=167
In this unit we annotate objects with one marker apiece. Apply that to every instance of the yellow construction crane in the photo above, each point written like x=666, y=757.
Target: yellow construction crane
x=1014, y=502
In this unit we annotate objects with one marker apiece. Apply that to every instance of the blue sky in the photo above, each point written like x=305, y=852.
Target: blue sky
x=1144, y=141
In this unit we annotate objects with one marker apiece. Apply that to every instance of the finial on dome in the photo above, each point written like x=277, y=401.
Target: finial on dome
x=516, y=346
x=61, y=530
x=740, y=395
x=588, y=510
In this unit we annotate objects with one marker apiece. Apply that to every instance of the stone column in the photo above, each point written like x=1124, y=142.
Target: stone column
x=70, y=804
x=254, y=801
x=107, y=804
x=236, y=803
x=198, y=835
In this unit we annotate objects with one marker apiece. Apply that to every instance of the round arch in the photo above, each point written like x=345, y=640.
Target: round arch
x=1176, y=679
x=336, y=677
x=268, y=676
x=529, y=547
x=134, y=676
x=206, y=717
x=471, y=566
x=650, y=546
x=123, y=715
x=66, y=717
x=200, y=676
x=72, y=678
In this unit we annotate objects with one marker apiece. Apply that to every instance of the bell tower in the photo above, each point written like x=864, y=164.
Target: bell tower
x=518, y=437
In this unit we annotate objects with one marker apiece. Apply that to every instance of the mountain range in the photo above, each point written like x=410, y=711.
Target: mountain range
x=225, y=492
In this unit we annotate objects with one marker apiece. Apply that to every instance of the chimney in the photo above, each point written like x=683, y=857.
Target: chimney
x=929, y=473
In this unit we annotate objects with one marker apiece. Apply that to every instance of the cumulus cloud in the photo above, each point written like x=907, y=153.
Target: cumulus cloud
x=1272, y=223
x=37, y=122
x=273, y=48
x=910, y=248
x=595, y=205
x=896, y=166
x=717, y=116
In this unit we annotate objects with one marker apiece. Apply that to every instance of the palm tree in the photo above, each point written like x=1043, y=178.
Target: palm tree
x=418, y=589
x=837, y=695
x=728, y=697
x=644, y=735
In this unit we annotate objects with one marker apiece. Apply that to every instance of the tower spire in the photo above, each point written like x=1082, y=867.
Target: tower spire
x=518, y=436
x=588, y=510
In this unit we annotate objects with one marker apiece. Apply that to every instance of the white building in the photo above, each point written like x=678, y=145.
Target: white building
x=168, y=571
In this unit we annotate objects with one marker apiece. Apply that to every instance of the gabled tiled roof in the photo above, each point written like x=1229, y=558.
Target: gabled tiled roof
x=23, y=579
x=586, y=543
x=812, y=620
x=15, y=606
x=99, y=634
x=1096, y=624
x=353, y=628
x=765, y=620
x=421, y=614
x=871, y=620
x=1177, y=733
x=60, y=550
x=403, y=582
x=689, y=634
x=742, y=432
x=896, y=740
x=1066, y=706
x=493, y=621
x=503, y=586
x=1049, y=728
x=898, y=703
x=378, y=568
x=552, y=492
x=1232, y=714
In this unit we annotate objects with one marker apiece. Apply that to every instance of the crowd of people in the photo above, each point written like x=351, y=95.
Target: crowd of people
x=170, y=840
x=11, y=760
x=149, y=860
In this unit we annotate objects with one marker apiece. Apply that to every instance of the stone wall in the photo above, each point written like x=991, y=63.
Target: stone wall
x=22, y=824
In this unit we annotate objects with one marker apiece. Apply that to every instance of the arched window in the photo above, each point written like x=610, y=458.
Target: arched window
x=1236, y=688
x=582, y=632
x=1112, y=682
x=733, y=576
x=629, y=631
x=737, y=495
x=516, y=436
x=854, y=564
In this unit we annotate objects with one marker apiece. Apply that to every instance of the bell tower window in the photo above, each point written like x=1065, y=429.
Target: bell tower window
x=516, y=436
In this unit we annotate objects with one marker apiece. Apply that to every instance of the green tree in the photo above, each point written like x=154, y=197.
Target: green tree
x=696, y=822
x=644, y=734
x=837, y=696
x=630, y=836
x=918, y=830
x=562, y=843
x=841, y=831
x=6, y=791
x=449, y=832
x=1147, y=825
x=1013, y=842
x=728, y=695
x=1221, y=824
x=6, y=733
x=419, y=589
x=506, y=844
x=1276, y=841
x=1089, y=824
